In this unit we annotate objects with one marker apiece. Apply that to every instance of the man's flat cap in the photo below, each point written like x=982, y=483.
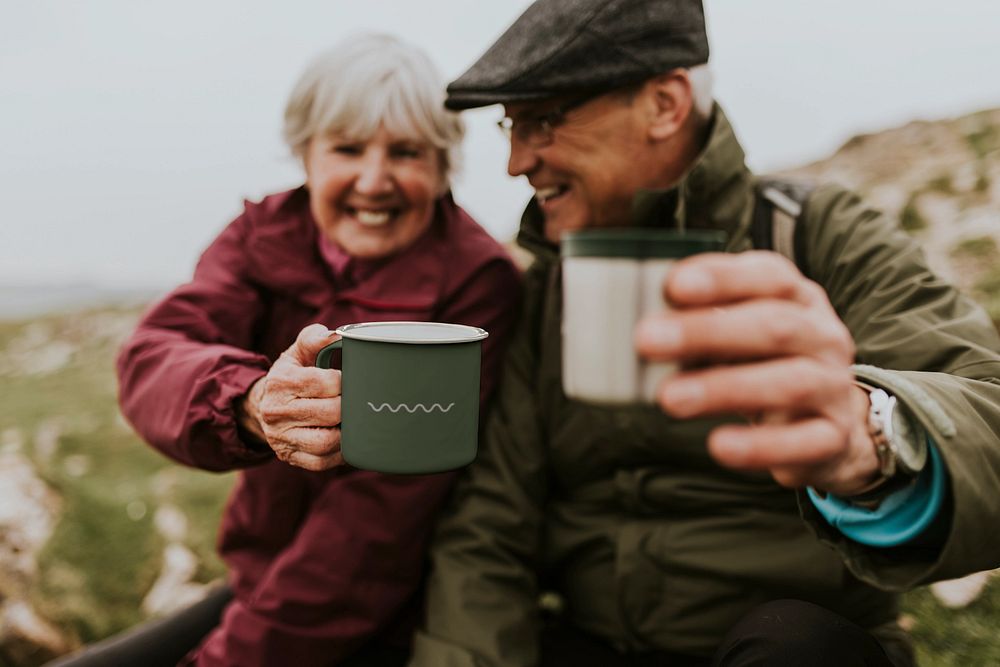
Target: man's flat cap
x=560, y=46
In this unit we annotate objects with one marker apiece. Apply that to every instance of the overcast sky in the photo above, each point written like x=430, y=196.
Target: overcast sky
x=132, y=131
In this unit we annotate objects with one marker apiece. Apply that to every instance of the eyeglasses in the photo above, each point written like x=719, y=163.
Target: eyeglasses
x=537, y=131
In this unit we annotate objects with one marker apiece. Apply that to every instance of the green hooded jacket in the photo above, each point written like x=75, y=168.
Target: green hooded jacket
x=651, y=544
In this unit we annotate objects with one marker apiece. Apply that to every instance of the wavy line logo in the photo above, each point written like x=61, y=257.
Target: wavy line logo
x=403, y=406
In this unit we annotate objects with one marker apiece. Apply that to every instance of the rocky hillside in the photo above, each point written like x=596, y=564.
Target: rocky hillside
x=942, y=180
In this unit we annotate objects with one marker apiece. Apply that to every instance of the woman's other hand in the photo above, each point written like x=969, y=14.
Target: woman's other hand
x=295, y=408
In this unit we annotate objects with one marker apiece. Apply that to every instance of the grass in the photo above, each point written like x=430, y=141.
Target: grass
x=980, y=247
x=104, y=553
x=952, y=637
x=97, y=563
x=910, y=217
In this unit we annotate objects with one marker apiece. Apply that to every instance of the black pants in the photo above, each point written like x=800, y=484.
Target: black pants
x=776, y=634
x=157, y=643
x=792, y=632
x=163, y=642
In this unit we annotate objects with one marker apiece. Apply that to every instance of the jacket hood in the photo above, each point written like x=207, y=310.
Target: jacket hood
x=714, y=193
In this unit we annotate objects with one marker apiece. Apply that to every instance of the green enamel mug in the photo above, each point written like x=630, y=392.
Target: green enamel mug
x=409, y=395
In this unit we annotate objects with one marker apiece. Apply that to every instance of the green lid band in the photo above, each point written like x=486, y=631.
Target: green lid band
x=638, y=243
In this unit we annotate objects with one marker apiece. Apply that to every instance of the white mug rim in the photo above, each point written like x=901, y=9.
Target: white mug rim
x=364, y=331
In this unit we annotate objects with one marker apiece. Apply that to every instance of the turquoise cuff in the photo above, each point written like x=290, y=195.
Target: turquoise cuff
x=901, y=517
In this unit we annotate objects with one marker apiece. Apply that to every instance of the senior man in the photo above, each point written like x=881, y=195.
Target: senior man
x=866, y=461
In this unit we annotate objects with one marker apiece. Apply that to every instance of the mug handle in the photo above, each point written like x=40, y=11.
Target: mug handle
x=323, y=358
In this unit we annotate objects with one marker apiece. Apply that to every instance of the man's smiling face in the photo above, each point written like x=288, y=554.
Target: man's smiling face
x=598, y=158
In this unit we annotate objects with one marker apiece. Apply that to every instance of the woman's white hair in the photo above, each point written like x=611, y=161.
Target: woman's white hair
x=370, y=80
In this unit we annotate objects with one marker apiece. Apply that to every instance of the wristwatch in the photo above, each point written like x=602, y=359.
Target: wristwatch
x=900, y=440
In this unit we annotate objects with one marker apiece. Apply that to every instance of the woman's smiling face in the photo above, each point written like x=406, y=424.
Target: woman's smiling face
x=372, y=197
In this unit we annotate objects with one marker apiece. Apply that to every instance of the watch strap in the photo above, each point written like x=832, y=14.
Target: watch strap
x=880, y=403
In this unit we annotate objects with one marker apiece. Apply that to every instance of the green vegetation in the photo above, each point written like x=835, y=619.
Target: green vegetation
x=980, y=247
x=90, y=584
x=982, y=182
x=982, y=253
x=987, y=292
x=942, y=184
x=104, y=553
x=984, y=140
x=910, y=218
x=951, y=637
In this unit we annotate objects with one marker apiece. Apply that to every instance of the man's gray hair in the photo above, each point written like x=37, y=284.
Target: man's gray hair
x=701, y=90
x=370, y=80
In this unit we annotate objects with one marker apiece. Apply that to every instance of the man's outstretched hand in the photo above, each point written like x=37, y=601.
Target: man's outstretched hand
x=777, y=354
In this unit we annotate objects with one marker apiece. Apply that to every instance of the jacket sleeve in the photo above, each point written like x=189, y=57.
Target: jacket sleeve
x=938, y=352
x=190, y=358
x=482, y=594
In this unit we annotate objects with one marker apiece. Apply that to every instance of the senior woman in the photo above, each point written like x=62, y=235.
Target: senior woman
x=325, y=561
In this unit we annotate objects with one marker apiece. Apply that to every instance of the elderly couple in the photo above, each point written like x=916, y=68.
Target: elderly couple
x=667, y=535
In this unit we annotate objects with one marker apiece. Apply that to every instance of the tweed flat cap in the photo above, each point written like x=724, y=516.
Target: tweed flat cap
x=560, y=46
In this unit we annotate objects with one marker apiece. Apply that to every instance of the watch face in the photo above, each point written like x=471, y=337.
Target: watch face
x=909, y=439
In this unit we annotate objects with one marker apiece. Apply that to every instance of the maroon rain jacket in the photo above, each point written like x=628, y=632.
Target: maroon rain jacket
x=320, y=562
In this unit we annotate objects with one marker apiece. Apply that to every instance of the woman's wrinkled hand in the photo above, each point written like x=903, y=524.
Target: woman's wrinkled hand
x=295, y=408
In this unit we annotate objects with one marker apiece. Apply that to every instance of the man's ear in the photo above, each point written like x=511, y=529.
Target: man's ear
x=671, y=103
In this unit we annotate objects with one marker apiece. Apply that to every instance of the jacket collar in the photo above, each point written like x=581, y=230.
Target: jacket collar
x=288, y=254
x=716, y=192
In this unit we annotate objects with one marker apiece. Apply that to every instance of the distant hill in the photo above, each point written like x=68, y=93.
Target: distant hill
x=942, y=180
x=18, y=301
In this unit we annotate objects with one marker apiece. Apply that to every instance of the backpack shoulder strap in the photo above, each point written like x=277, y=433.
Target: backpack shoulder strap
x=777, y=212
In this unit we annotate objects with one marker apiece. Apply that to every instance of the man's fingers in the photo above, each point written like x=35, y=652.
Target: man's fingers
x=820, y=459
x=797, y=384
x=805, y=443
x=754, y=329
x=719, y=278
